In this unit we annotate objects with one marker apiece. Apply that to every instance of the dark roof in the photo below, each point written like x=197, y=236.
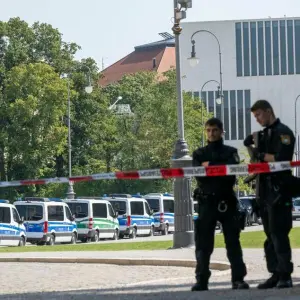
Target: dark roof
x=159, y=44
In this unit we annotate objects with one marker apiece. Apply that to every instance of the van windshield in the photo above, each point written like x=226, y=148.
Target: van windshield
x=119, y=206
x=154, y=204
x=30, y=212
x=80, y=210
x=297, y=202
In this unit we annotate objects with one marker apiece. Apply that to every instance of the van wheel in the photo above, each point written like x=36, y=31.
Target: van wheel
x=96, y=237
x=51, y=241
x=73, y=238
x=116, y=235
x=166, y=230
x=22, y=242
x=133, y=235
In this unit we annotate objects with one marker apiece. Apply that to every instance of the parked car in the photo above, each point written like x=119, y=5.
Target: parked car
x=296, y=208
x=250, y=203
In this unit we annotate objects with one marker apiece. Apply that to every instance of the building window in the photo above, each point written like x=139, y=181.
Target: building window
x=253, y=49
x=238, y=42
x=211, y=102
x=226, y=115
x=237, y=112
x=261, y=48
x=297, y=45
x=204, y=99
x=275, y=33
x=233, y=117
x=196, y=95
x=290, y=34
x=283, y=48
x=240, y=100
x=248, y=112
x=246, y=49
x=268, y=48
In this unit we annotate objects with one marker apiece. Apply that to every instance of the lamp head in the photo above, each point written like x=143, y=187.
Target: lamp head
x=89, y=89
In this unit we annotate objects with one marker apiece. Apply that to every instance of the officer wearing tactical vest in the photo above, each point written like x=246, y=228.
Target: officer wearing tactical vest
x=276, y=143
x=217, y=202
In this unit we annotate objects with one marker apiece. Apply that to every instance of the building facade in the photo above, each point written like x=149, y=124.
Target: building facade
x=260, y=60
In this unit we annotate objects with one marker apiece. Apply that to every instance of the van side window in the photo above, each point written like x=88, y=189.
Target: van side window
x=148, y=212
x=55, y=213
x=5, y=215
x=30, y=212
x=137, y=208
x=168, y=206
x=68, y=213
x=99, y=210
x=16, y=215
x=110, y=210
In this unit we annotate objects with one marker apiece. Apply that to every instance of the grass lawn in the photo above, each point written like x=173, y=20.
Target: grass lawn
x=249, y=240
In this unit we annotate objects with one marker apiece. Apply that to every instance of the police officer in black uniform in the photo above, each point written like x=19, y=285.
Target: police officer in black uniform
x=276, y=143
x=217, y=202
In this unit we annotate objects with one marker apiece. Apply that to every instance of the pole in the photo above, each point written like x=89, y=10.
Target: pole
x=69, y=130
x=220, y=66
x=202, y=111
x=70, y=193
x=184, y=234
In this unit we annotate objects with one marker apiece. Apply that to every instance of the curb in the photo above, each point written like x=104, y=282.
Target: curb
x=220, y=266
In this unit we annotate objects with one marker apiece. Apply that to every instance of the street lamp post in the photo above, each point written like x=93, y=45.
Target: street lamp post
x=194, y=61
x=296, y=132
x=218, y=101
x=184, y=234
x=88, y=90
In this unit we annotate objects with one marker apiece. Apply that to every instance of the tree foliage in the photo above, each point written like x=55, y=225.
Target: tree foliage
x=33, y=114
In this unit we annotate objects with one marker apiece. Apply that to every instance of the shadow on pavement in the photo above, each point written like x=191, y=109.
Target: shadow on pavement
x=165, y=292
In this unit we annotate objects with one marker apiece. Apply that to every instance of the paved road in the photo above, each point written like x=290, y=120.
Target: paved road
x=91, y=281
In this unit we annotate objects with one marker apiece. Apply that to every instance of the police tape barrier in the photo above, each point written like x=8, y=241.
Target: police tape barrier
x=211, y=171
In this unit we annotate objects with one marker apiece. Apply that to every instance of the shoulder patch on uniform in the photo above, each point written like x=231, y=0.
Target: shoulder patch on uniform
x=236, y=157
x=285, y=139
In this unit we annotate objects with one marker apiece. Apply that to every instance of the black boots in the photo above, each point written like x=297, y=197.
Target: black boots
x=276, y=281
x=237, y=285
x=240, y=285
x=198, y=287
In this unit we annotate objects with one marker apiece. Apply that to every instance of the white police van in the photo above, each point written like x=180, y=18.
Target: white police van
x=96, y=219
x=134, y=215
x=47, y=221
x=163, y=207
x=12, y=230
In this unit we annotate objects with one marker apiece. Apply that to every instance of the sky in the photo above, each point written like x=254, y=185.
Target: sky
x=107, y=30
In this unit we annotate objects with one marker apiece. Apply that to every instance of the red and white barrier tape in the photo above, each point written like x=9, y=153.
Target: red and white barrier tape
x=210, y=171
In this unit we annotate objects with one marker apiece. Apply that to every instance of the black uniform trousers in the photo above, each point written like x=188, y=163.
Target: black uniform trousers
x=277, y=222
x=204, y=238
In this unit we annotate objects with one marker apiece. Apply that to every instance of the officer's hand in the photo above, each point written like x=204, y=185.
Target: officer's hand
x=205, y=164
x=249, y=140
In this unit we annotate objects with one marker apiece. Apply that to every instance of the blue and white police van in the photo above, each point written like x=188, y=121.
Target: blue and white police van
x=162, y=206
x=47, y=221
x=134, y=215
x=12, y=229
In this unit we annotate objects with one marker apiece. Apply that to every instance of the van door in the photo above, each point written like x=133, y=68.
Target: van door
x=149, y=218
x=70, y=224
x=7, y=237
x=16, y=226
x=138, y=217
x=100, y=215
x=56, y=221
x=112, y=220
x=169, y=213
